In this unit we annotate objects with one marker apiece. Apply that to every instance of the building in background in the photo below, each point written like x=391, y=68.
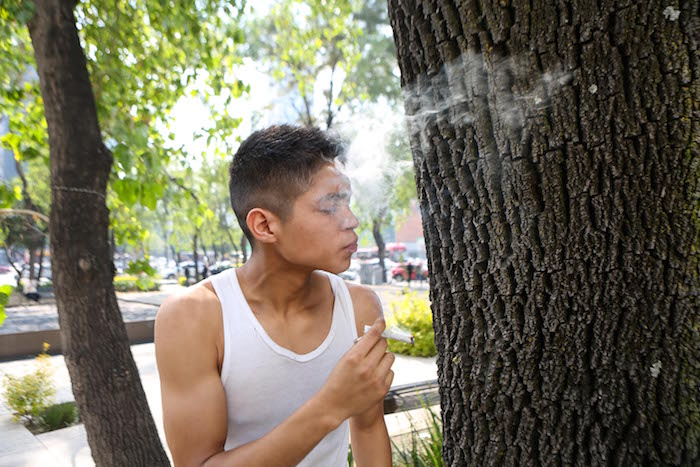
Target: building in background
x=410, y=233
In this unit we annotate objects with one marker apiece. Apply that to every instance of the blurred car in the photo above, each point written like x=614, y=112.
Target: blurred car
x=399, y=273
x=189, y=267
x=349, y=275
x=169, y=272
x=219, y=266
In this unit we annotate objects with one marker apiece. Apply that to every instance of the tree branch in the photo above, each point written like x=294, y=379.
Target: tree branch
x=26, y=212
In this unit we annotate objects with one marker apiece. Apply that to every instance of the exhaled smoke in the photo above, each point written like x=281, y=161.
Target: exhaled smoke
x=377, y=155
x=506, y=90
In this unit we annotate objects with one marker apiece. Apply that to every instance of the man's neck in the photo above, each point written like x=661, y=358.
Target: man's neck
x=276, y=284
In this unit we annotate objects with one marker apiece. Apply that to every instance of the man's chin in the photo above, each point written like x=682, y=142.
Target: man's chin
x=338, y=267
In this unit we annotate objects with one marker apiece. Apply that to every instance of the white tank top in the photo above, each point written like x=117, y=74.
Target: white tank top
x=265, y=383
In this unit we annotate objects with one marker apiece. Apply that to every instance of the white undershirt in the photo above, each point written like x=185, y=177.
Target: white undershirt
x=265, y=383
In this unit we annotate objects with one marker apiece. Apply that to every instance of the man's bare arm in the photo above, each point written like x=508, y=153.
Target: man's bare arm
x=194, y=404
x=368, y=433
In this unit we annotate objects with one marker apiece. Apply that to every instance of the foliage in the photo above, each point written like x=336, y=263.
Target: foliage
x=306, y=44
x=424, y=448
x=141, y=266
x=58, y=416
x=327, y=55
x=27, y=396
x=5, y=292
x=141, y=282
x=142, y=58
x=375, y=76
x=413, y=314
x=182, y=280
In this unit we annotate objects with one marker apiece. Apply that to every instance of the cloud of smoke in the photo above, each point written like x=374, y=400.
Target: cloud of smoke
x=512, y=88
x=370, y=166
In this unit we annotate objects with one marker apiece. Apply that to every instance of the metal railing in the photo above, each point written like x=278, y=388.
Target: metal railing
x=412, y=396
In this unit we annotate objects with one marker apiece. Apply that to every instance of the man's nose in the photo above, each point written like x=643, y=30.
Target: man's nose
x=351, y=222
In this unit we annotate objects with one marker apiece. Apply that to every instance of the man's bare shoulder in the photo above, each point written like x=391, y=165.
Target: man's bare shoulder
x=365, y=301
x=194, y=310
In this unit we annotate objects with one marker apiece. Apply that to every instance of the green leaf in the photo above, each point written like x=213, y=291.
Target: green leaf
x=5, y=292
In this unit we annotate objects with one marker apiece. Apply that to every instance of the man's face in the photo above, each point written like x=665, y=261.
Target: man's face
x=320, y=231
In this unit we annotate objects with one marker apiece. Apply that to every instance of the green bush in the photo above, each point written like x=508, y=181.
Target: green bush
x=141, y=266
x=413, y=314
x=27, y=396
x=141, y=282
x=182, y=280
x=59, y=416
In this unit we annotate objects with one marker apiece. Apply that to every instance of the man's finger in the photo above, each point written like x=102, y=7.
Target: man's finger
x=376, y=353
x=385, y=363
x=389, y=378
x=370, y=338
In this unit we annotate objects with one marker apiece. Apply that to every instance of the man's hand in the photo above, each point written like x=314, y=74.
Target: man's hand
x=362, y=377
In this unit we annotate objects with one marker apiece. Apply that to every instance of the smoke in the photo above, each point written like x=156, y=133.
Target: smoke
x=475, y=89
x=377, y=155
x=506, y=90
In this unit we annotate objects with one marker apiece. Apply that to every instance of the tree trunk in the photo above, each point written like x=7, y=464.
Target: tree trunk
x=105, y=379
x=556, y=148
x=233, y=242
x=32, y=262
x=41, y=262
x=112, y=244
x=381, y=247
x=195, y=259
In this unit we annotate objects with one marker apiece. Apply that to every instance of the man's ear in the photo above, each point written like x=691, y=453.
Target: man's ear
x=262, y=224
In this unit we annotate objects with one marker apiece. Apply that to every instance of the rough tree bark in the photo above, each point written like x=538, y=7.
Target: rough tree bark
x=105, y=380
x=556, y=147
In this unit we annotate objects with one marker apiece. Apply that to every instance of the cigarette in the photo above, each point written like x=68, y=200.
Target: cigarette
x=395, y=334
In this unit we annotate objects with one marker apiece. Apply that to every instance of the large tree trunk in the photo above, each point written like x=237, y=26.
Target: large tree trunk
x=556, y=147
x=105, y=380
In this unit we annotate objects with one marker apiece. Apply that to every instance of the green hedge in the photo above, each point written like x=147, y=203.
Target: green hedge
x=133, y=283
x=413, y=315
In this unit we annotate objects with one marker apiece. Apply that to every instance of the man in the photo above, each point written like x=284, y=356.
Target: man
x=257, y=364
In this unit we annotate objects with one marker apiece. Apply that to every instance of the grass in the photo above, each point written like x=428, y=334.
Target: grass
x=421, y=447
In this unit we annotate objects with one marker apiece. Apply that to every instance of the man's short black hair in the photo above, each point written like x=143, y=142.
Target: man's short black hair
x=273, y=166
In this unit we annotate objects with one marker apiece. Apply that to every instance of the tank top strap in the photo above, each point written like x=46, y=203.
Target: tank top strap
x=342, y=294
x=225, y=285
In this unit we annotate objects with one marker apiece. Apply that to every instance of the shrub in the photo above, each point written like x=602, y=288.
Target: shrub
x=141, y=282
x=30, y=394
x=182, y=280
x=59, y=416
x=413, y=314
x=141, y=266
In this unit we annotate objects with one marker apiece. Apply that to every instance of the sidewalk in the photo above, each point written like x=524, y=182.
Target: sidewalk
x=141, y=306
x=69, y=447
